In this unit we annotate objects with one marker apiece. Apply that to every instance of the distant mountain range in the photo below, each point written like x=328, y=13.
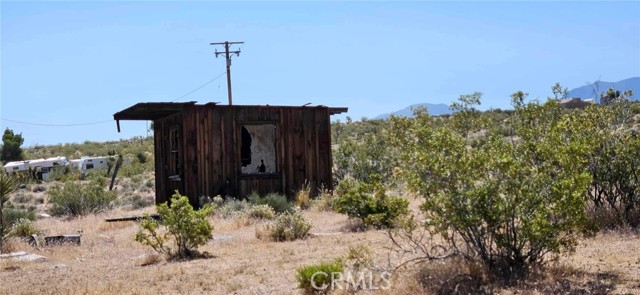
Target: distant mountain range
x=587, y=91
x=432, y=109
x=583, y=92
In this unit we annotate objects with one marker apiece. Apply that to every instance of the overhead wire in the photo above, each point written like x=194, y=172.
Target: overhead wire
x=106, y=121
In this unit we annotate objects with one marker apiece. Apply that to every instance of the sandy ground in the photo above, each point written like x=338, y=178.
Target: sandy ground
x=110, y=261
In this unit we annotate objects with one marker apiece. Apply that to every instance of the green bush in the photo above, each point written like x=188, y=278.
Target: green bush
x=289, y=226
x=509, y=203
x=278, y=202
x=187, y=227
x=369, y=203
x=24, y=228
x=261, y=212
x=76, y=198
x=316, y=278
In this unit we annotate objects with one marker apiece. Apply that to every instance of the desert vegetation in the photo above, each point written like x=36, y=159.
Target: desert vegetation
x=538, y=199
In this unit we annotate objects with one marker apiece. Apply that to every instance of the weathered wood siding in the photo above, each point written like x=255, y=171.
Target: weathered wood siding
x=211, y=150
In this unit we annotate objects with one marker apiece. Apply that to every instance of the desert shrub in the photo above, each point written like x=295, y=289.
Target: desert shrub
x=22, y=198
x=359, y=257
x=316, y=278
x=187, y=227
x=142, y=157
x=233, y=207
x=508, y=203
x=261, y=212
x=24, y=228
x=361, y=158
x=217, y=200
x=614, y=165
x=303, y=197
x=76, y=198
x=288, y=226
x=137, y=201
x=278, y=202
x=369, y=203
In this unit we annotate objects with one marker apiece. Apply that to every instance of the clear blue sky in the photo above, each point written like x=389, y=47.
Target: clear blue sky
x=81, y=62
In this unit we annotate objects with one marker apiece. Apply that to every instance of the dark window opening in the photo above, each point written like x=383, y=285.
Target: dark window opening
x=89, y=166
x=258, y=148
x=245, y=148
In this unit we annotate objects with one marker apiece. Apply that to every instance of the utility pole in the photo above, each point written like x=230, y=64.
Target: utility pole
x=228, y=55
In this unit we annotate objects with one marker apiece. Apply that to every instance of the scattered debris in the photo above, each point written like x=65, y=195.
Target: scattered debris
x=133, y=218
x=34, y=241
x=222, y=238
x=63, y=239
x=43, y=215
x=325, y=234
x=12, y=268
x=23, y=256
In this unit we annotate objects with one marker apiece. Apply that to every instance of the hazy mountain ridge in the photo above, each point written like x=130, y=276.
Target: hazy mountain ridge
x=587, y=91
x=584, y=92
x=432, y=109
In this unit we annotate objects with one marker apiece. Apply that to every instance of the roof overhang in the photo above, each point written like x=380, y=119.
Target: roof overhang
x=335, y=111
x=150, y=111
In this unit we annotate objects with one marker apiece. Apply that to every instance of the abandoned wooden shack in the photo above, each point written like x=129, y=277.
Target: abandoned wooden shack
x=234, y=150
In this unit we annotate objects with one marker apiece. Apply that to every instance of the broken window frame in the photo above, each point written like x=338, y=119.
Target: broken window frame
x=276, y=148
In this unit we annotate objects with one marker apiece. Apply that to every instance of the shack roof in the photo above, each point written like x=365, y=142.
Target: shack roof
x=157, y=110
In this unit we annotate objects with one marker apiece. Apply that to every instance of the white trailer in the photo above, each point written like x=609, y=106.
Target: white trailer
x=41, y=168
x=44, y=168
x=85, y=164
x=16, y=167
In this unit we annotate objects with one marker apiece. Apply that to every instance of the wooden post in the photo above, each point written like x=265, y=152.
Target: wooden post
x=115, y=172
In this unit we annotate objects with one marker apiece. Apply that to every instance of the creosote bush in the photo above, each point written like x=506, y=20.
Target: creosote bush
x=287, y=226
x=278, y=202
x=369, y=203
x=261, y=212
x=507, y=202
x=316, y=278
x=187, y=227
x=77, y=198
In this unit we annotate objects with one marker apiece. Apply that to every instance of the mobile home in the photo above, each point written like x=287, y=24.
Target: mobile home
x=42, y=169
x=85, y=164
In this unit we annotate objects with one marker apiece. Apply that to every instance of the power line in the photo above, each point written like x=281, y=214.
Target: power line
x=201, y=86
x=106, y=121
x=56, y=125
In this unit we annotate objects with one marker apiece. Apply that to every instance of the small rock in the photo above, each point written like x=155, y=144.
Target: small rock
x=59, y=266
x=43, y=215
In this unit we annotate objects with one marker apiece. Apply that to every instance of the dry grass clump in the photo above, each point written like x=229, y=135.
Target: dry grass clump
x=322, y=203
x=452, y=276
x=303, y=197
